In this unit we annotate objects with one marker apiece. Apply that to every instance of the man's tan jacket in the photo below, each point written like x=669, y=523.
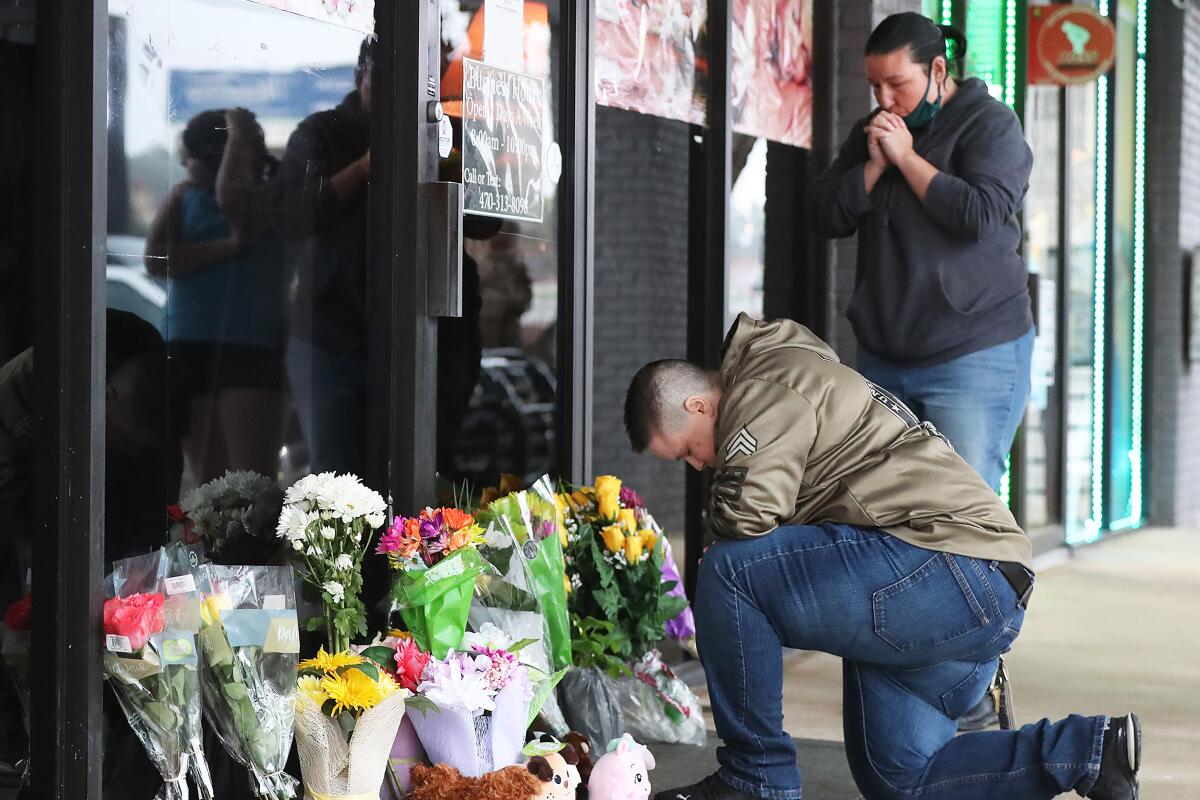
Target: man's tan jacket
x=802, y=439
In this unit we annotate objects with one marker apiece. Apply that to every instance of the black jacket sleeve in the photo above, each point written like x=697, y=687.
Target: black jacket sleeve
x=838, y=199
x=991, y=175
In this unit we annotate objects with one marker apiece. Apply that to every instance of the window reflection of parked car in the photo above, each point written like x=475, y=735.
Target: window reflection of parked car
x=509, y=426
x=130, y=287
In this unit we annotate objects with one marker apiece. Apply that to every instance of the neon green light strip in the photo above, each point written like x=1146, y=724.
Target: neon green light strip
x=1139, y=263
x=1010, y=52
x=1099, y=287
x=947, y=12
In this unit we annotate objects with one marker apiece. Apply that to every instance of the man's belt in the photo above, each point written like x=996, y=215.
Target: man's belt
x=1019, y=578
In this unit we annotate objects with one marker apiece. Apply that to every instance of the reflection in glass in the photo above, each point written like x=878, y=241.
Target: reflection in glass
x=497, y=363
x=1043, y=415
x=1080, y=325
x=747, y=229
x=17, y=391
x=237, y=255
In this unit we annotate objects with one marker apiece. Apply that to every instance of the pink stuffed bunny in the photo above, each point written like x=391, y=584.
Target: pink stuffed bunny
x=622, y=772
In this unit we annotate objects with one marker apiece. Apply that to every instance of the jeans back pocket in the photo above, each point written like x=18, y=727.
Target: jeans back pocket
x=929, y=607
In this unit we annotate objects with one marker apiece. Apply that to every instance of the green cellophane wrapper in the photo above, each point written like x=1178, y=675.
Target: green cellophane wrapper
x=435, y=602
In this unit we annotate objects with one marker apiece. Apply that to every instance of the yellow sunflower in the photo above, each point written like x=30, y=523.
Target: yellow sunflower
x=387, y=685
x=330, y=664
x=352, y=690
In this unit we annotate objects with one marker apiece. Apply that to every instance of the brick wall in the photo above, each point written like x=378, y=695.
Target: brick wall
x=640, y=286
x=1173, y=215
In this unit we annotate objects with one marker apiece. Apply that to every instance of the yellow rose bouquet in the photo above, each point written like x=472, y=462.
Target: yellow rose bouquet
x=614, y=561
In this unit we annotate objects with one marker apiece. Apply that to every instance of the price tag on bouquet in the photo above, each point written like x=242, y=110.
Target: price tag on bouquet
x=131, y=670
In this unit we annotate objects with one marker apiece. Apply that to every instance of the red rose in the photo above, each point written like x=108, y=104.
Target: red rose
x=19, y=615
x=410, y=664
x=175, y=513
x=135, y=617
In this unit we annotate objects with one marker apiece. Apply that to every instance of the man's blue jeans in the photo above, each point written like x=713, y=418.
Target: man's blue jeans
x=977, y=400
x=920, y=633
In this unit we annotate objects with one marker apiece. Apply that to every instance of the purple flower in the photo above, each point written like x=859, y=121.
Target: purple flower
x=631, y=499
x=431, y=524
x=544, y=529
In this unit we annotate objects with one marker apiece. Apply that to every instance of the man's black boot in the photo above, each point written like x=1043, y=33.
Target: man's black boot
x=1120, y=760
x=711, y=788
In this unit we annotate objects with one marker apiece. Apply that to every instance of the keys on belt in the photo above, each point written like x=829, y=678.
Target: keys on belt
x=1019, y=578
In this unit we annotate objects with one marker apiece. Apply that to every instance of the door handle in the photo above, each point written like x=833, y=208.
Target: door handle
x=444, y=288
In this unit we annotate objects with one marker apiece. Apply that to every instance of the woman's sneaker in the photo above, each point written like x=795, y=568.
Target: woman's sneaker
x=1120, y=760
x=711, y=788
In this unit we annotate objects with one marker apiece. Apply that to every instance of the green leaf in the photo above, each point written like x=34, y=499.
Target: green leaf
x=160, y=714
x=235, y=691
x=521, y=645
x=327, y=707
x=385, y=657
x=609, y=601
x=368, y=669
x=419, y=702
x=346, y=722
x=673, y=713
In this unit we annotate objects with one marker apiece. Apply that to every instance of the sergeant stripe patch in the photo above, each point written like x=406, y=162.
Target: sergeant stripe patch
x=743, y=442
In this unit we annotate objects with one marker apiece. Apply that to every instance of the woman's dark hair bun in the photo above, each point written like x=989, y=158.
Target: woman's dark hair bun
x=924, y=39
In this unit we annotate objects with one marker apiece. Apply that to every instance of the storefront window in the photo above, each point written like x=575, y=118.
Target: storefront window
x=747, y=229
x=237, y=277
x=1080, y=323
x=1043, y=417
x=497, y=364
x=1123, y=460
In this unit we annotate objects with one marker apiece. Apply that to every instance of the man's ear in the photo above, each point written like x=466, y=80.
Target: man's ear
x=699, y=404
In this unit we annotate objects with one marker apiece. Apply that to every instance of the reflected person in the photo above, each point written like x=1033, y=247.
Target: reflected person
x=320, y=205
x=224, y=319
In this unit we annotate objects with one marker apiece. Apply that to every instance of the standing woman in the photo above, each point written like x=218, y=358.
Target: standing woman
x=931, y=182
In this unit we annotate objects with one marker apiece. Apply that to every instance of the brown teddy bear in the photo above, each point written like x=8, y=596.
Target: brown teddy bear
x=548, y=777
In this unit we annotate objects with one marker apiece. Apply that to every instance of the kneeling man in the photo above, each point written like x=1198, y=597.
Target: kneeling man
x=845, y=524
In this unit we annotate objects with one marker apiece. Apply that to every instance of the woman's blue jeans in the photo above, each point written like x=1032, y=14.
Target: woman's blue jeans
x=920, y=633
x=976, y=400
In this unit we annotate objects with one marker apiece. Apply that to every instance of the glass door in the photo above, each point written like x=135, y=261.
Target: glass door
x=498, y=363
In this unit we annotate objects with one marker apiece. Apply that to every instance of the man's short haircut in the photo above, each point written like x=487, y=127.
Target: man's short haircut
x=654, y=402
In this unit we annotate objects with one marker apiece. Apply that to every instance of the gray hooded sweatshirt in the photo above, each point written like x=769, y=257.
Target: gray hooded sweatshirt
x=944, y=278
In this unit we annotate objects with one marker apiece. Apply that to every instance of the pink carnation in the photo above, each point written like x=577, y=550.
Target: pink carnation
x=136, y=617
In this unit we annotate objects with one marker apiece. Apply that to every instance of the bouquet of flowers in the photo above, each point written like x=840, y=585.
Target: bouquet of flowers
x=233, y=515
x=328, y=520
x=524, y=543
x=15, y=647
x=151, y=663
x=436, y=560
x=152, y=671
x=348, y=709
x=250, y=641
x=659, y=707
x=483, y=699
x=614, y=561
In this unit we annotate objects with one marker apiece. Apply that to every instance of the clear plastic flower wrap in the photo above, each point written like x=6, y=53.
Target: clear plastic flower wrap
x=524, y=543
x=250, y=643
x=658, y=706
x=150, y=661
x=14, y=646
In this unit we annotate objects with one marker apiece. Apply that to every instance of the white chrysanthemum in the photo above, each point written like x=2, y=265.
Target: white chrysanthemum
x=293, y=524
x=297, y=545
x=328, y=533
x=376, y=519
x=496, y=537
x=344, y=562
x=335, y=590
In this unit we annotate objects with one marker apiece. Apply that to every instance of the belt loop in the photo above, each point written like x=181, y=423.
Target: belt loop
x=992, y=565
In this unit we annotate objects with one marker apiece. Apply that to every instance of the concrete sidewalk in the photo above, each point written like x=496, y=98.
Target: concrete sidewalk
x=1111, y=629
